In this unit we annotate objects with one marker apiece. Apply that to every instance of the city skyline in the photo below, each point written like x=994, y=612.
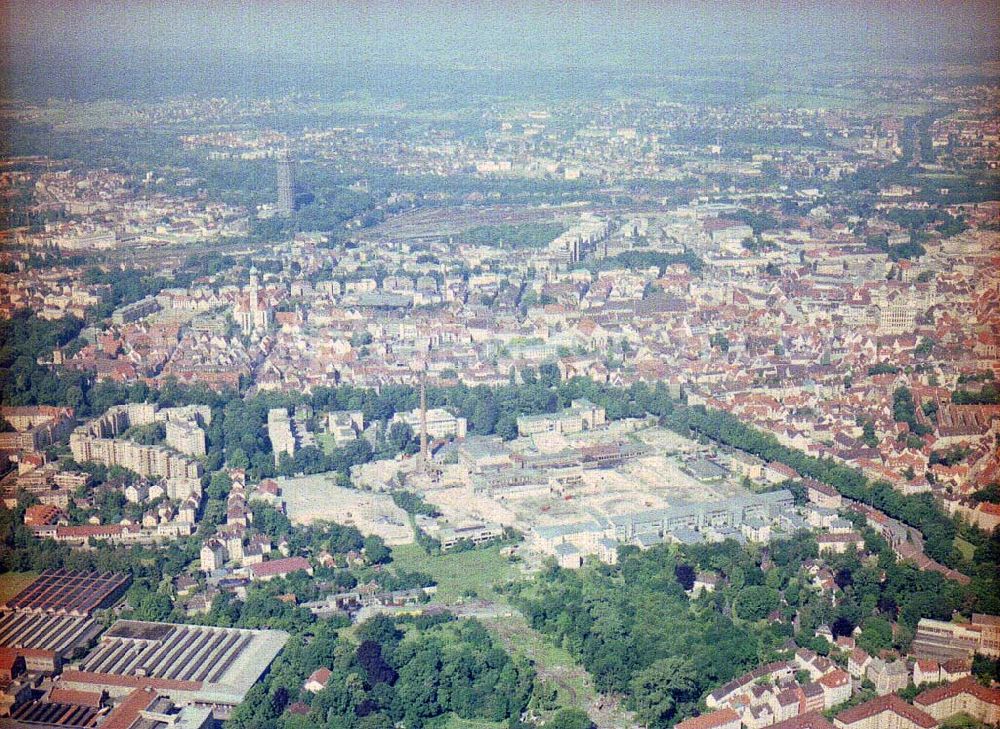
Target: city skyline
x=522, y=365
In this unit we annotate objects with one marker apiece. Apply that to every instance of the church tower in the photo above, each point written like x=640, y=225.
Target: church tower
x=254, y=294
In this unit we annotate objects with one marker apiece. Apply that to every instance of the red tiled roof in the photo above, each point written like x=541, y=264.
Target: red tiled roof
x=75, y=697
x=783, y=469
x=111, y=679
x=882, y=704
x=279, y=566
x=967, y=685
x=835, y=679
x=710, y=721
x=8, y=659
x=8, y=654
x=320, y=676
x=954, y=665
x=820, y=487
x=40, y=514
x=125, y=714
x=812, y=720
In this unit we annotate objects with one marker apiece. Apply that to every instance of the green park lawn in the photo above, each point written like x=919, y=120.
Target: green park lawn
x=457, y=573
x=325, y=441
x=480, y=570
x=455, y=722
x=967, y=549
x=12, y=583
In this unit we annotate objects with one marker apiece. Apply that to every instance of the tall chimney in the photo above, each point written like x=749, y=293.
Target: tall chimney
x=424, y=459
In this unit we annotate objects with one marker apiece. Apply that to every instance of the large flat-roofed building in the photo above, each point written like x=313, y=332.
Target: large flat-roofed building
x=440, y=423
x=186, y=437
x=143, y=708
x=73, y=709
x=476, y=533
x=193, y=664
x=939, y=641
x=44, y=641
x=67, y=592
x=50, y=618
x=732, y=512
x=345, y=426
x=135, y=311
x=279, y=432
x=579, y=416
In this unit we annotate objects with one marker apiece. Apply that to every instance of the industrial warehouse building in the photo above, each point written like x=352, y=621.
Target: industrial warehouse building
x=193, y=664
x=50, y=619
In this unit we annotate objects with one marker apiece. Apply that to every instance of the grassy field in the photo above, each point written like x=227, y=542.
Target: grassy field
x=12, y=583
x=479, y=571
x=325, y=441
x=456, y=573
x=454, y=722
x=554, y=663
x=557, y=668
x=967, y=549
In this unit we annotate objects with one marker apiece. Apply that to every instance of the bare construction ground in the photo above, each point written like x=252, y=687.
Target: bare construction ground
x=318, y=498
x=658, y=480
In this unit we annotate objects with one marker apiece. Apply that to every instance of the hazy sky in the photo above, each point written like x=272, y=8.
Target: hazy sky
x=501, y=34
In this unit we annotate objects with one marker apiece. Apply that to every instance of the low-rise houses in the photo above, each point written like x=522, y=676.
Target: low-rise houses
x=839, y=543
x=929, y=671
x=857, y=663
x=729, y=692
x=271, y=569
x=317, y=680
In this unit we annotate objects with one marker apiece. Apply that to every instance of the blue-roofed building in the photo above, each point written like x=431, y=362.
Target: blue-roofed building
x=683, y=535
x=705, y=470
x=568, y=556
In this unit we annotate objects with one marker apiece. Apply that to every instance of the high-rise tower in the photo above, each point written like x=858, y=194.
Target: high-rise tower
x=286, y=184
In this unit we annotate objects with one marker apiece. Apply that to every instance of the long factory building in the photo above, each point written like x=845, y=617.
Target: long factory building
x=196, y=665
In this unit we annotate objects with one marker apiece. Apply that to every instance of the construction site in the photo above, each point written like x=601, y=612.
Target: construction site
x=309, y=499
x=578, y=485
